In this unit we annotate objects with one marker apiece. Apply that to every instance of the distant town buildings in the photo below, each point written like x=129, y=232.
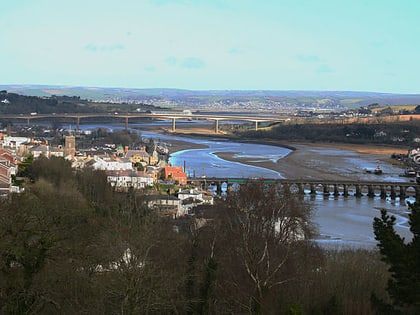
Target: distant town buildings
x=125, y=169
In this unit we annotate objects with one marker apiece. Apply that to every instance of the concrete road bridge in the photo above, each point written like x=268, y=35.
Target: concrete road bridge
x=327, y=187
x=77, y=117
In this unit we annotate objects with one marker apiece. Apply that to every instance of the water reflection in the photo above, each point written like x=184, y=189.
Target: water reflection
x=348, y=221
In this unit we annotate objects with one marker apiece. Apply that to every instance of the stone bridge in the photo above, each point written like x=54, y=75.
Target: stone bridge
x=327, y=187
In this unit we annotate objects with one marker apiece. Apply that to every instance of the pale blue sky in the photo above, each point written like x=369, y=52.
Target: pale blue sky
x=353, y=45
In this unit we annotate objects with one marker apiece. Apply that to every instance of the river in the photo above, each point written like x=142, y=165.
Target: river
x=341, y=221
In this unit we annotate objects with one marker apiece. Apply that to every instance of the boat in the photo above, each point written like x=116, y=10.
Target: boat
x=376, y=171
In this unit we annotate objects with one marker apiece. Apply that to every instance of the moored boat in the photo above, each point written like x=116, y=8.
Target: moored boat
x=376, y=171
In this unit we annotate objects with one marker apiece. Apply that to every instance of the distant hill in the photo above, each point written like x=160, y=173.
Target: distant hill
x=267, y=100
x=17, y=103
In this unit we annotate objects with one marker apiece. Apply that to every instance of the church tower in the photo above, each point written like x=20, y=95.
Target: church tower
x=70, y=146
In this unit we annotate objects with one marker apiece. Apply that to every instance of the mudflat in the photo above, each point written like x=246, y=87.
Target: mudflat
x=313, y=161
x=309, y=160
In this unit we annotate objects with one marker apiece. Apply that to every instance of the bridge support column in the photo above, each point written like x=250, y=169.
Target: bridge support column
x=256, y=125
x=301, y=189
x=313, y=190
x=383, y=192
x=393, y=193
x=219, y=188
x=358, y=191
x=216, y=125
x=402, y=192
x=326, y=190
x=78, y=123
x=345, y=190
x=173, y=124
x=126, y=123
x=28, y=121
x=371, y=191
x=336, y=192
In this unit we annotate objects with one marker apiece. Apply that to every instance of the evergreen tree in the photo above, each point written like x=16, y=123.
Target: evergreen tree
x=403, y=259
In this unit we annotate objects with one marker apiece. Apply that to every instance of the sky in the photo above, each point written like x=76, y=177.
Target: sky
x=330, y=45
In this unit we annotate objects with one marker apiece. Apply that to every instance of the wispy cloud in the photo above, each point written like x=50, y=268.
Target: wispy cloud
x=187, y=63
x=193, y=63
x=324, y=68
x=308, y=58
x=104, y=48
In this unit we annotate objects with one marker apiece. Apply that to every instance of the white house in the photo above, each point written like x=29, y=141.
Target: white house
x=195, y=194
x=15, y=142
x=166, y=205
x=191, y=198
x=111, y=164
x=126, y=179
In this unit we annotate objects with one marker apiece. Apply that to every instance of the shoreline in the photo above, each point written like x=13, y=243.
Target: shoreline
x=306, y=160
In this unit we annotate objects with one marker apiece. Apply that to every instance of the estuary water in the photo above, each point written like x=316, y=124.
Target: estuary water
x=341, y=222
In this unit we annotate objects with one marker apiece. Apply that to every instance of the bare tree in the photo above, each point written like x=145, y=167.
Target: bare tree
x=261, y=228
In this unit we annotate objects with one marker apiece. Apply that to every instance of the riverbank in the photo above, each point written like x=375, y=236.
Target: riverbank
x=321, y=161
x=329, y=161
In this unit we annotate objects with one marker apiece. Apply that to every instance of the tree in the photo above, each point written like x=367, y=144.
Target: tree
x=262, y=230
x=403, y=259
x=54, y=169
x=44, y=237
x=25, y=166
x=387, y=111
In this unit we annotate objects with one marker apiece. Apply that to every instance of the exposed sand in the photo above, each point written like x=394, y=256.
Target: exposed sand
x=311, y=161
x=307, y=160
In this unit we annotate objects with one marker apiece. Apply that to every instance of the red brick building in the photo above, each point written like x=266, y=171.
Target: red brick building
x=175, y=173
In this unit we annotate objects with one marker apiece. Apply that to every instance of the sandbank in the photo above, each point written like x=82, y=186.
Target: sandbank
x=306, y=160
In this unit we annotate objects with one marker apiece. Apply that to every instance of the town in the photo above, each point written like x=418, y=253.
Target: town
x=143, y=165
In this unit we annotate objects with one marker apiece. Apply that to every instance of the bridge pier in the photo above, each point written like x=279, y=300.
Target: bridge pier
x=256, y=125
x=313, y=189
x=126, y=124
x=336, y=192
x=383, y=192
x=358, y=191
x=393, y=193
x=173, y=124
x=345, y=190
x=402, y=193
x=301, y=189
x=78, y=123
x=371, y=191
x=216, y=125
x=326, y=190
